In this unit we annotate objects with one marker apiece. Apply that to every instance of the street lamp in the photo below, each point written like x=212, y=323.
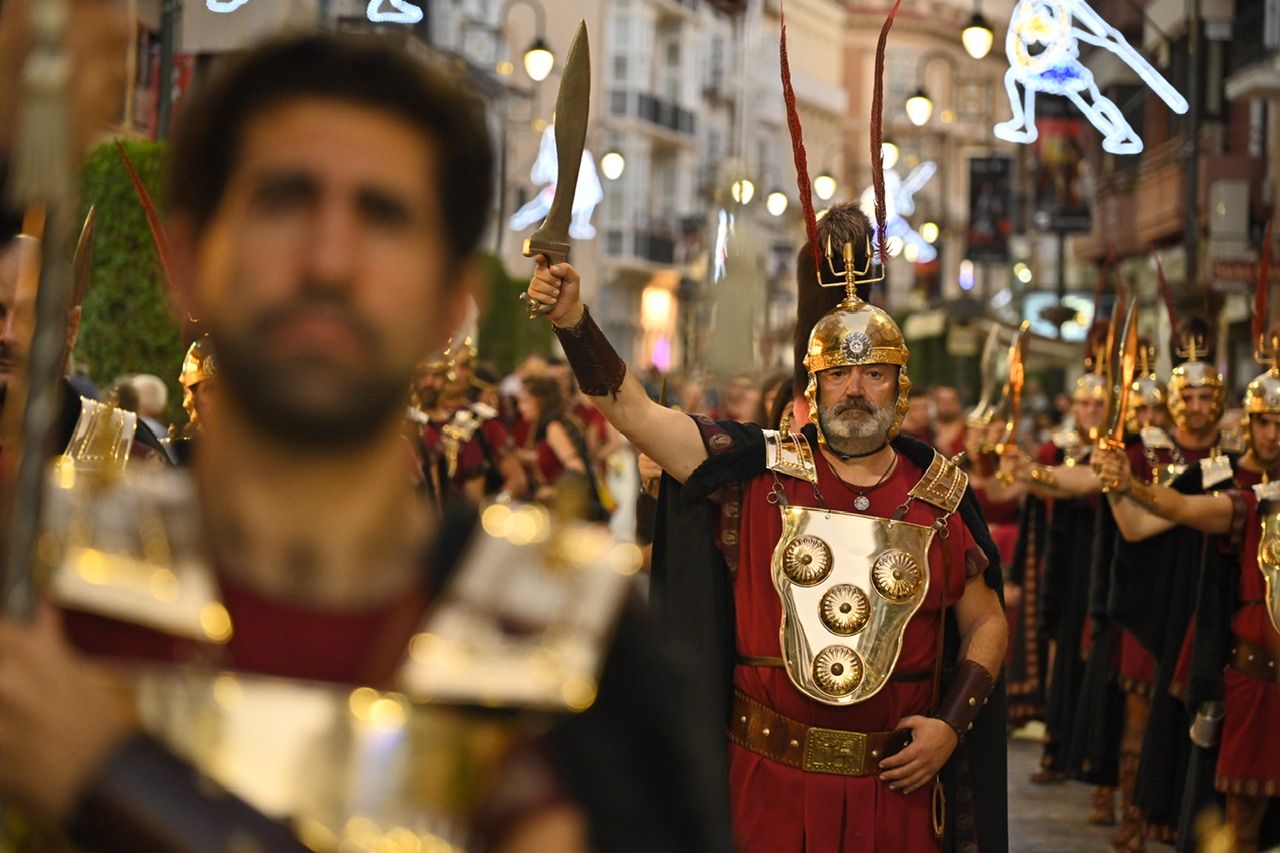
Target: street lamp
x=777, y=202
x=920, y=106
x=612, y=164
x=930, y=231
x=743, y=190
x=889, y=154
x=539, y=60
x=978, y=36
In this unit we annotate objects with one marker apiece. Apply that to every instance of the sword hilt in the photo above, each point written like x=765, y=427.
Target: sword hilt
x=555, y=252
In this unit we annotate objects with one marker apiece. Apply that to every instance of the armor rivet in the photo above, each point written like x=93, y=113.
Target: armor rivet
x=744, y=719
x=970, y=727
x=973, y=702
x=875, y=753
x=795, y=743
x=1250, y=657
x=765, y=732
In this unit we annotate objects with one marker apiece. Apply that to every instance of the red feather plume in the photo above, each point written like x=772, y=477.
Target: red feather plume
x=1164, y=291
x=877, y=131
x=797, y=149
x=1263, y=290
x=149, y=208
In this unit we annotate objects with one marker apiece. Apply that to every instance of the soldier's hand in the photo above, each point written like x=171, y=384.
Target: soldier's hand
x=1014, y=465
x=558, y=285
x=1112, y=467
x=932, y=742
x=59, y=719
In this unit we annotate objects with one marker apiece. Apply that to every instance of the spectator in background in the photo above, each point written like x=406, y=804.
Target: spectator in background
x=948, y=420
x=916, y=422
x=768, y=396
x=153, y=397
x=741, y=400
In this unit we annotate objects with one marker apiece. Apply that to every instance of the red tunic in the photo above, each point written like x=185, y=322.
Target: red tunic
x=1249, y=760
x=776, y=808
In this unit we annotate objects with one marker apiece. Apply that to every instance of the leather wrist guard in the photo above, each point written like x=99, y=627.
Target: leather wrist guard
x=597, y=366
x=966, y=698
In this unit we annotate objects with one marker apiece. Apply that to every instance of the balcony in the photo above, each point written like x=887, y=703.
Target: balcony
x=644, y=247
x=1253, y=62
x=669, y=119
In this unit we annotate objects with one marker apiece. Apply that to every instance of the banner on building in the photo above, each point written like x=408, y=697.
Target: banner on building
x=990, y=208
x=1061, y=192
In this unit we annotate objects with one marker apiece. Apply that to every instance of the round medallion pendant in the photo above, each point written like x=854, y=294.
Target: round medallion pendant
x=896, y=576
x=860, y=503
x=1270, y=551
x=838, y=670
x=807, y=560
x=845, y=609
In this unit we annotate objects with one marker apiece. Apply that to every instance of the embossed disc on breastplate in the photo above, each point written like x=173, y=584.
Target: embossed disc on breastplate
x=1270, y=551
x=845, y=609
x=838, y=670
x=807, y=560
x=896, y=576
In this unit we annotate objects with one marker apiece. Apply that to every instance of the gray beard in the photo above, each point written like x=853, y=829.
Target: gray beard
x=855, y=437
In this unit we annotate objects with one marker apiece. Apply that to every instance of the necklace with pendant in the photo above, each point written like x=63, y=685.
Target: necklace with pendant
x=862, y=503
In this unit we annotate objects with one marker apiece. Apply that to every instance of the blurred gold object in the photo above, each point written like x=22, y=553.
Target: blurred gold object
x=1262, y=397
x=1013, y=389
x=199, y=365
x=1123, y=364
x=1194, y=373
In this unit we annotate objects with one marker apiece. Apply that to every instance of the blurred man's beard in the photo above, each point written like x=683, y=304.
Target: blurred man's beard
x=309, y=401
x=858, y=436
x=428, y=397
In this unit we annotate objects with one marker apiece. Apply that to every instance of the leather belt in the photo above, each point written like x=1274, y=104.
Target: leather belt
x=817, y=750
x=1255, y=661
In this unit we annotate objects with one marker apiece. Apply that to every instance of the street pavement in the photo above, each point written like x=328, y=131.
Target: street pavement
x=1051, y=818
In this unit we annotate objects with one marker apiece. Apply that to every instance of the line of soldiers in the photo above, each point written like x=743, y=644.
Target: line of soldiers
x=1150, y=631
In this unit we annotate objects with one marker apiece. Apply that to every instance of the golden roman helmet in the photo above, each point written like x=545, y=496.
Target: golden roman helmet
x=854, y=332
x=1092, y=384
x=1262, y=397
x=1193, y=343
x=198, y=365
x=1147, y=388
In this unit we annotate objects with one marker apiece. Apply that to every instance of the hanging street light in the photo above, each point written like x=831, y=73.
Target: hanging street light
x=919, y=108
x=889, y=154
x=743, y=191
x=612, y=164
x=929, y=231
x=978, y=36
x=777, y=202
x=824, y=186
x=539, y=60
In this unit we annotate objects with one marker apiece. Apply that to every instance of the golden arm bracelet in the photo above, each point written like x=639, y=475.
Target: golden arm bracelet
x=1044, y=475
x=1144, y=495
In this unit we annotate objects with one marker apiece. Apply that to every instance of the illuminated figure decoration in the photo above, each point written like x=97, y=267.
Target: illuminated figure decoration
x=401, y=12
x=589, y=193
x=405, y=13
x=900, y=202
x=720, y=254
x=1043, y=50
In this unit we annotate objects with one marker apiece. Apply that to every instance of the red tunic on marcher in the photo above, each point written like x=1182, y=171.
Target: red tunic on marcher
x=780, y=809
x=1249, y=760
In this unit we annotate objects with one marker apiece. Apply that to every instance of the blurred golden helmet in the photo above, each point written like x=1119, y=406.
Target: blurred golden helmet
x=198, y=364
x=1195, y=374
x=1147, y=388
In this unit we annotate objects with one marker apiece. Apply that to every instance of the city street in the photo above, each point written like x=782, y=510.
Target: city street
x=1050, y=818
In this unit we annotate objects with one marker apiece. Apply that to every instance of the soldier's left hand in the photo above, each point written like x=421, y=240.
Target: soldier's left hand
x=932, y=742
x=59, y=720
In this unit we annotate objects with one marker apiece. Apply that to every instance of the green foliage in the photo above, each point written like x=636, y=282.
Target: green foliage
x=506, y=333
x=126, y=326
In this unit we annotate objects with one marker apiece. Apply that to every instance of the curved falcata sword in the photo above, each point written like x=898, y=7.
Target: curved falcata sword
x=573, y=105
x=1013, y=388
x=987, y=408
x=1122, y=365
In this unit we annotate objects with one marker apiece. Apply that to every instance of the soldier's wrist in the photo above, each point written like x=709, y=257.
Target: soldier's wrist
x=968, y=695
x=596, y=364
x=573, y=319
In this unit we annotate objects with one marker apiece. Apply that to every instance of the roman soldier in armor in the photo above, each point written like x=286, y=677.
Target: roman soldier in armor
x=198, y=378
x=323, y=228
x=844, y=547
x=1232, y=683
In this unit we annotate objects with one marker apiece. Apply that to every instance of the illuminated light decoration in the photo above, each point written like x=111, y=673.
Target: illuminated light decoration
x=919, y=108
x=1025, y=275
x=720, y=254
x=590, y=192
x=899, y=203
x=405, y=13
x=224, y=5
x=966, y=275
x=1056, y=70
x=743, y=191
x=930, y=231
x=539, y=60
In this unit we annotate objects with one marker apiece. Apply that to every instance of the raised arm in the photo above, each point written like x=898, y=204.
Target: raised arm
x=1163, y=506
x=670, y=438
x=1018, y=475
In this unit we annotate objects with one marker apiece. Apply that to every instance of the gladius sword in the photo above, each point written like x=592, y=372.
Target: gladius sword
x=573, y=104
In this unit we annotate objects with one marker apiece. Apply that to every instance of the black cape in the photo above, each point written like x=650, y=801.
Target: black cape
x=692, y=594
